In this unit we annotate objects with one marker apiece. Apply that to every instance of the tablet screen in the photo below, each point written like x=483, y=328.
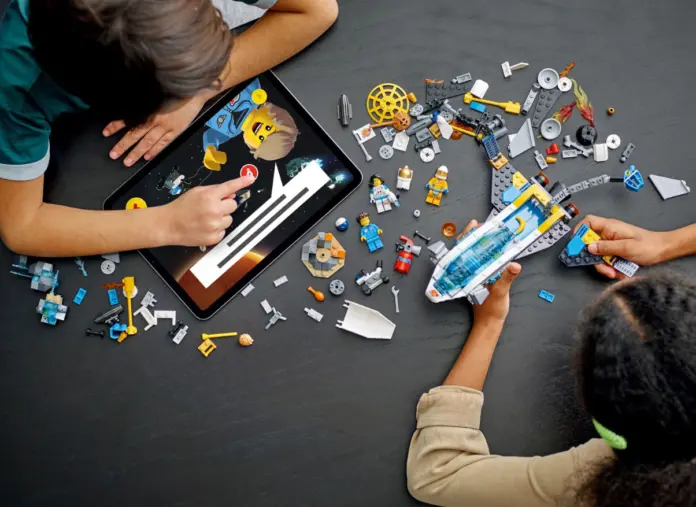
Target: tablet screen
x=258, y=128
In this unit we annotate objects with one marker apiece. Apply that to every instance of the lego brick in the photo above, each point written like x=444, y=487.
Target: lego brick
x=570, y=153
x=479, y=88
x=247, y=290
x=477, y=106
x=81, y=293
x=601, y=152
x=441, y=91
x=501, y=180
x=547, y=240
x=547, y=296
x=280, y=281
x=546, y=100
x=313, y=314
x=180, y=335
x=266, y=306
x=166, y=314
x=113, y=297
x=423, y=134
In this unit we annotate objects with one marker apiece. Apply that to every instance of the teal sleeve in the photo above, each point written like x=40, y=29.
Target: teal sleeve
x=24, y=145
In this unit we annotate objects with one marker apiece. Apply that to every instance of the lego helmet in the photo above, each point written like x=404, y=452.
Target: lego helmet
x=375, y=177
x=441, y=173
x=405, y=172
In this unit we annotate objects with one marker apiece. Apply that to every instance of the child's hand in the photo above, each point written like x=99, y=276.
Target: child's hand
x=152, y=136
x=624, y=240
x=495, y=308
x=201, y=216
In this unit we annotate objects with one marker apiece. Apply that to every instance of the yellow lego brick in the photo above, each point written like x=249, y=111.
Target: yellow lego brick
x=518, y=180
x=590, y=237
x=557, y=214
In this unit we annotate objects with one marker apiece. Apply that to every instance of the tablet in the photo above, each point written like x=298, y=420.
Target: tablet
x=256, y=128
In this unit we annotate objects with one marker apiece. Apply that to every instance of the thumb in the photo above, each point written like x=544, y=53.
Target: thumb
x=620, y=247
x=502, y=286
x=232, y=186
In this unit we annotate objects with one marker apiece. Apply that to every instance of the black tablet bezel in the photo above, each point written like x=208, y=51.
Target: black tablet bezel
x=204, y=314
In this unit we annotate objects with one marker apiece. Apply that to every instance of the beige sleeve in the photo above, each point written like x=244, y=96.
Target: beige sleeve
x=449, y=463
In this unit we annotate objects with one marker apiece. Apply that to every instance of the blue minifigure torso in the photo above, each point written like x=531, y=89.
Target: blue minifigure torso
x=371, y=234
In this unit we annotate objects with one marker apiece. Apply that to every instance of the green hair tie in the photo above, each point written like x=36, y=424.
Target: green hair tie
x=615, y=440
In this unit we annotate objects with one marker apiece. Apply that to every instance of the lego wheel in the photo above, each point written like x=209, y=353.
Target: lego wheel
x=366, y=290
x=572, y=210
x=385, y=280
x=385, y=100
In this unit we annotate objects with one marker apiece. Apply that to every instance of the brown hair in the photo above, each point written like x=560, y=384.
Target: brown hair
x=282, y=141
x=130, y=57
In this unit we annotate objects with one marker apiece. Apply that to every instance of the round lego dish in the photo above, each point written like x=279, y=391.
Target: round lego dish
x=548, y=78
x=613, y=141
x=565, y=84
x=427, y=155
x=108, y=267
x=449, y=229
x=336, y=287
x=386, y=152
x=551, y=129
x=342, y=224
x=416, y=110
x=586, y=135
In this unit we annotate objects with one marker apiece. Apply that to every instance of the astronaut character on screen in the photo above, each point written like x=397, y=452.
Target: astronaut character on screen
x=381, y=196
x=268, y=130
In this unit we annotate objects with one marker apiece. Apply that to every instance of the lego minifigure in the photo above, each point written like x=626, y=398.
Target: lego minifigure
x=437, y=186
x=370, y=233
x=380, y=195
x=403, y=178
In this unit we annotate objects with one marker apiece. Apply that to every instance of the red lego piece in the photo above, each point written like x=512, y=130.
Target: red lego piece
x=553, y=149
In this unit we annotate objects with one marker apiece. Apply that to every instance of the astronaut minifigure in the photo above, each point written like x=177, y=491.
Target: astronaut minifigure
x=403, y=178
x=369, y=233
x=380, y=194
x=437, y=186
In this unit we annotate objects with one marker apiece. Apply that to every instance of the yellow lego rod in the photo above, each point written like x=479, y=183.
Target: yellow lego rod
x=510, y=107
x=218, y=335
x=129, y=287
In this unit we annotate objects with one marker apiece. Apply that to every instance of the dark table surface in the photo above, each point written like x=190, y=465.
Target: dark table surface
x=311, y=415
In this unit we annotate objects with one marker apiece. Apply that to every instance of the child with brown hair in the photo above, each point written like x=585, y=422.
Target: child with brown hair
x=151, y=65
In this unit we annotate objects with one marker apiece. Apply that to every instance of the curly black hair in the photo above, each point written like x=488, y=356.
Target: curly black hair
x=637, y=377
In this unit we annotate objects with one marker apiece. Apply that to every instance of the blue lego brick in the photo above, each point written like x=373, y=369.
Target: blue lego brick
x=546, y=296
x=633, y=180
x=116, y=330
x=79, y=296
x=113, y=297
x=477, y=106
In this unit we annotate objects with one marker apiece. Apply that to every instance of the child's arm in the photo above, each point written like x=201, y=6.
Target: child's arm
x=30, y=226
x=471, y=367
x=287, y=28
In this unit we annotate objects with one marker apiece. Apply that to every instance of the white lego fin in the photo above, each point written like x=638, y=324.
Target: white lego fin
x=669, y=187
x=523, y=140
x=366, y=322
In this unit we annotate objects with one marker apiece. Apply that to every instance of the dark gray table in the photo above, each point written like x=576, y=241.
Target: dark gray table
x=311, y=415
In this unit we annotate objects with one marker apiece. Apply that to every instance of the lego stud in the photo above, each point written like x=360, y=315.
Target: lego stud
x=611, y=111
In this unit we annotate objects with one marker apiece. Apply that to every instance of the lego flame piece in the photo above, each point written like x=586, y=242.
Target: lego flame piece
x=583, y=103
x=564, y=113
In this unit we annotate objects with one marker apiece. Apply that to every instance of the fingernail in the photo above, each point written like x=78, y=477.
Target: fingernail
x=113, y=155
x=105, y=132
x=592, y=248
x=128, y=161
x=147, y=157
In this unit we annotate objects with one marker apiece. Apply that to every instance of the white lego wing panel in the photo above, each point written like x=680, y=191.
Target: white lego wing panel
x=366, y=322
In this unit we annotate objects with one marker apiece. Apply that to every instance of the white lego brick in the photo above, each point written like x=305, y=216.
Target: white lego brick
x=166, y=314
x=266, y=306
x=247, y=290
x=280, y=281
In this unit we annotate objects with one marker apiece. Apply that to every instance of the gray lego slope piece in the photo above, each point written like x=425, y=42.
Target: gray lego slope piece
x=584, y=259
x=669, y=187
x=500, y=181
x=547, y=98
x=522, y=141
x=548, y=239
